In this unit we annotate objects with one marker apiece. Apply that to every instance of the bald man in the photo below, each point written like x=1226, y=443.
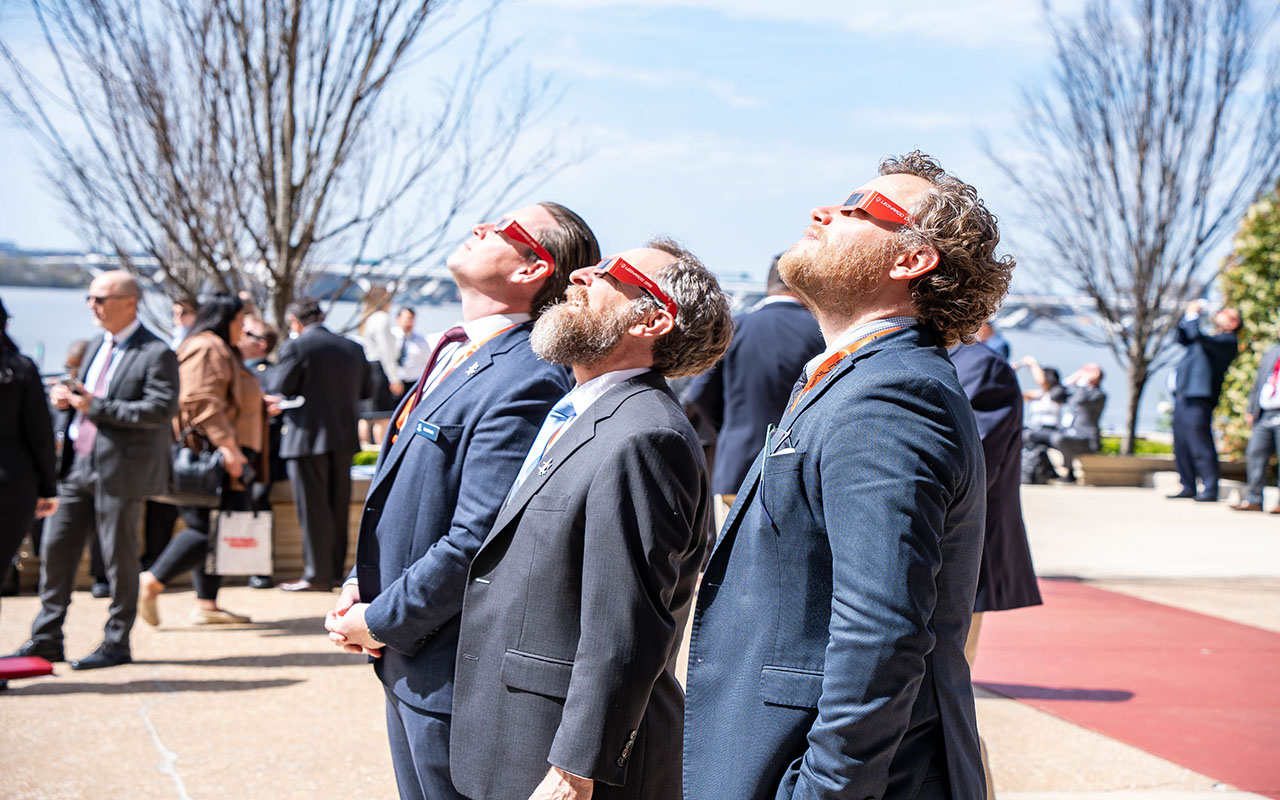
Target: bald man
x=116, y=455
x=565, y=685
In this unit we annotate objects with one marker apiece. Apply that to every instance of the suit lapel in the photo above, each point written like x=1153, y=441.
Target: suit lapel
x=580, y=433
x=128, y=352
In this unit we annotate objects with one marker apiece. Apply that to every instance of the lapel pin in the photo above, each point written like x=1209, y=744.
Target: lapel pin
x=471, y=370
x=544, y=466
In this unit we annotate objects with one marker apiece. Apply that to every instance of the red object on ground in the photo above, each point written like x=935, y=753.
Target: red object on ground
x=1196, y=690
x=24, y=667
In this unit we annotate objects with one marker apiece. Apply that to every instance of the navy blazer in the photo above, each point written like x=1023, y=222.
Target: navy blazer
x=1006, y=579
x=1205, y=362
x=1265, y=368
x=331, y=373
x=828, y=640
x=747, y=390
x=26, y=431
x=432, y=500
x=572, y=618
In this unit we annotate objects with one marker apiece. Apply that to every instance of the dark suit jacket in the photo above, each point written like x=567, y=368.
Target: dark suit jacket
x=748, y=389
x=828, y=640
x=575, y=605
x=266, y=373
x=1204, y=364
x=1265, y=368
x=134, y=420
x=331, y=373
x=432, y=501
x=26, y=431
x=1006, y=579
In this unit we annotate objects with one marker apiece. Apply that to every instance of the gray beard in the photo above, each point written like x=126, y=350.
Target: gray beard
x=582, y=337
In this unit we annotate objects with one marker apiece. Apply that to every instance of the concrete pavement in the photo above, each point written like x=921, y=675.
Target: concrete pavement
x=271, y=709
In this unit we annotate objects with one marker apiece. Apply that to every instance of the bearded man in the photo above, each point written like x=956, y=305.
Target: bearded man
x=571, y=621
x=828, y=641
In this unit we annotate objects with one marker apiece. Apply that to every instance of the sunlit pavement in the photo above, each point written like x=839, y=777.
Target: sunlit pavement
x=271, y=709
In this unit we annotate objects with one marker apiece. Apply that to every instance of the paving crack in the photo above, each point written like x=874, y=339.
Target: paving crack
x=168, y=759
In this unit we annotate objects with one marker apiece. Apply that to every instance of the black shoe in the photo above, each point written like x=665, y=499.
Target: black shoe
x=49, y=652
x=100, y=589
x=1181, y=495
x=261, y=582
x=104, y=656
x=1206, y=498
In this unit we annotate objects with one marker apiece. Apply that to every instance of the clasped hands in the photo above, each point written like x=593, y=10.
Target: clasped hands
x=346, y=625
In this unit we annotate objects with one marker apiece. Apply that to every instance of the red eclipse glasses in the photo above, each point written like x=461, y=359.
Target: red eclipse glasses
x=511, y=229
x=621, y=270
x=878, y=206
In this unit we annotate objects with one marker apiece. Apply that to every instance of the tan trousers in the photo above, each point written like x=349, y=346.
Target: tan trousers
x=970, y=653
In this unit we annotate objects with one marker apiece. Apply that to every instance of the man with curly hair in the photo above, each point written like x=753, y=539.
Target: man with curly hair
x=828, y=647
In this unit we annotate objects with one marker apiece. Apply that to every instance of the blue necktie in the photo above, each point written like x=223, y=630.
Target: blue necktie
x=560, y=415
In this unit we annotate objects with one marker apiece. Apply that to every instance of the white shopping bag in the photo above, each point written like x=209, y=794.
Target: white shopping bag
x=241, y=543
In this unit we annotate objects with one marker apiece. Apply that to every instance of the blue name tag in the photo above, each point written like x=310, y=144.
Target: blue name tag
x=428, y=430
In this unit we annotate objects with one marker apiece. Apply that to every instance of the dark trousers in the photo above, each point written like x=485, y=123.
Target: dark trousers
x=189, y=549
x=419, y=751
x=1263, y=443
x=157, y=529
x=1193, y=450
x=17, y=510
x=322, y=495
x=1070, y=446
x=82, y=507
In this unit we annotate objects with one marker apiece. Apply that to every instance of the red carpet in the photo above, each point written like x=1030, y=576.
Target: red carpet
x=1196, y=690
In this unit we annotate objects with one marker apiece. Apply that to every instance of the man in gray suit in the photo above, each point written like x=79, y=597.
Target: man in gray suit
x=565, y=684
x=1264, y=416
x=117, y=455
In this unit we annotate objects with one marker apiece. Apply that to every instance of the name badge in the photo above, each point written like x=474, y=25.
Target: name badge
x=426, y=429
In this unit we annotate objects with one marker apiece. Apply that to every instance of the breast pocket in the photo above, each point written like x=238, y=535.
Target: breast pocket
x=782, y=491
x=446, y=437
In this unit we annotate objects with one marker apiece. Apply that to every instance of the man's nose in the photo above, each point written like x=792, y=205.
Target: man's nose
x=582, y=277
x=823, y=214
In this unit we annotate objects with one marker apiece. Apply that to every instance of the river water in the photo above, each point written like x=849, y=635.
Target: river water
x=46, y=321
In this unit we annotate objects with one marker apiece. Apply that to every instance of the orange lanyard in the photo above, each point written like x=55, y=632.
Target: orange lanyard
x=832, y=361
x=454, y=361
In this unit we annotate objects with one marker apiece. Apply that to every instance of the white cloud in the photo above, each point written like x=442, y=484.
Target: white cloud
x=595, y=69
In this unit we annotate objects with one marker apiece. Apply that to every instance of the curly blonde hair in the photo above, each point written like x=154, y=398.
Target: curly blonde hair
x=970, y=281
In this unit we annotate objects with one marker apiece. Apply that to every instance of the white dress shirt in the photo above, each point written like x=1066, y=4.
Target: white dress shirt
x=477, y=330
x=854, y=334
x=99, y=361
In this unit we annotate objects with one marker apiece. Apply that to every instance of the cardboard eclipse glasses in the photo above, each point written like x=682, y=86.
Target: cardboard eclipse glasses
x=622, y=271
x=511, y=229
x=878, y=206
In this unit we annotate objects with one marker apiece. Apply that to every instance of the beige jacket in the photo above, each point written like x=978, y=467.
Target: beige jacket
x=220, y=399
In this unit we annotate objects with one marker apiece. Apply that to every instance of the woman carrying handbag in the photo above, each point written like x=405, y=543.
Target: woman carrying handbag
x=222, y=402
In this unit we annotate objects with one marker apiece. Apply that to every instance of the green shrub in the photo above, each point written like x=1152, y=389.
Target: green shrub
x=1141, y=447
x=365, y=457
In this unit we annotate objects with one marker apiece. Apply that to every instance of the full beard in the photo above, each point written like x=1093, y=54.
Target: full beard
x=570, y=333
x=838, y=280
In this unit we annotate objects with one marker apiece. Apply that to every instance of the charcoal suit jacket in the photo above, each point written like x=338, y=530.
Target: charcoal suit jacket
x=331, y=374
x=575, y=606
x=828, y=641
x=432, y=500
x=1204, y=364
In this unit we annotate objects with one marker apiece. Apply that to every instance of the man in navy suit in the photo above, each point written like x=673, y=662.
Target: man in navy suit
x=828, y=642
x=566, y=686
x=1264, y=415
x=1197, y=384
x=454, y=447
x=747, y=391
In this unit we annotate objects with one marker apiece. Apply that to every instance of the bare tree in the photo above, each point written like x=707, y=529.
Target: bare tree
x=1139, y=154
x=238, y=144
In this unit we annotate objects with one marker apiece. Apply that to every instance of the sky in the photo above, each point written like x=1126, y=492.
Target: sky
x=722, y=122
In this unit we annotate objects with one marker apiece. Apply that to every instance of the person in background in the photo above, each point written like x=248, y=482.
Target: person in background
x=1197, y=383
x=381, y=351
x=256, y=345
x=120, y=454
x=748, y=389
x=412, y=349
x=318, y=438
x=1264, y=415
x=1043, y=411
x=28, y=480
x=1006, y=577
x=184, y=314
x=991, y=337
x=1079, y=432
x=220, y=403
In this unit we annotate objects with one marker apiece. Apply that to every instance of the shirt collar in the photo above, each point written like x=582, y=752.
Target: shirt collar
x=121, y=336
x=584, y=394
x=478, y=330
x=854, y=334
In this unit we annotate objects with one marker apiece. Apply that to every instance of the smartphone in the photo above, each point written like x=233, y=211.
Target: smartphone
x=73, y=384
x=290, y=402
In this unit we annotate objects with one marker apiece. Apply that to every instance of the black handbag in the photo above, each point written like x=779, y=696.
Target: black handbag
x=197, y=476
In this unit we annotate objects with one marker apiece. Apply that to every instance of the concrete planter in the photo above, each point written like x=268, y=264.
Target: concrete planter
x=1107, y=470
